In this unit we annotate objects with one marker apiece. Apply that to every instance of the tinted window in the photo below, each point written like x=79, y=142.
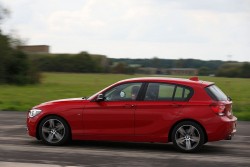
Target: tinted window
x=123, y=92
x=182, y=93
x=166, y=92
x=162, y=91
x=215, y=93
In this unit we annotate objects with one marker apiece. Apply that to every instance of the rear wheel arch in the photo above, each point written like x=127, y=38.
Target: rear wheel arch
x=183, y=120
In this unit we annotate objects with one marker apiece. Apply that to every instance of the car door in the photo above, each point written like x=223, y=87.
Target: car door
x=115, y=114
x=161, y=105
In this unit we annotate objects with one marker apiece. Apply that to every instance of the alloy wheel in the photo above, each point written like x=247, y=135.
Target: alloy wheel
x=187, y=137
x=53, y=131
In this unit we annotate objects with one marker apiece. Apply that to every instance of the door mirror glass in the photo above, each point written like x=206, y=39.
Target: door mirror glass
x=100, y=97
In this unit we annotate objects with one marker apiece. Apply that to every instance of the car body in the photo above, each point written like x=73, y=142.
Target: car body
x=187, y=112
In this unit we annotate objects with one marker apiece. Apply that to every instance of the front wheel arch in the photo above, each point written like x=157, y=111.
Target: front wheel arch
x=37, y=127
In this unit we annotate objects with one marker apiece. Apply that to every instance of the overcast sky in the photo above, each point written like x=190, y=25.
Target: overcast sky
x=171, y=29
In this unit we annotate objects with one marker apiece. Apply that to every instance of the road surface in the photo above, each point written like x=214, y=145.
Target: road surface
x=17, y=149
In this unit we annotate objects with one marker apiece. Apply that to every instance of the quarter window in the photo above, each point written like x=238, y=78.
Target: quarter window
x=182, y=93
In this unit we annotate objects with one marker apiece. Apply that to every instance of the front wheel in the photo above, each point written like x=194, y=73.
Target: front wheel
x=54, y=130
x=188, y=136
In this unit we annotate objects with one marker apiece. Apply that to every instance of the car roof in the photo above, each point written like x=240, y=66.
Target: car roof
x=189, y=82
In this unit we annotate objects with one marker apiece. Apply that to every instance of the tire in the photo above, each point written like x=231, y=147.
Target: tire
x=188, y=136
x=54, y=130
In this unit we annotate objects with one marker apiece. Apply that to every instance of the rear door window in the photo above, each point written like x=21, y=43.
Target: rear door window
x=168, y=92
x=216, y=93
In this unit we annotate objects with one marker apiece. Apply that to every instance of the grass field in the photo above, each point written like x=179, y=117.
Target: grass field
x=66, y=85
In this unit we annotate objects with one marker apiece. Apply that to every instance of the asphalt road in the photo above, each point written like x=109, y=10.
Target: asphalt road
x=17, y=149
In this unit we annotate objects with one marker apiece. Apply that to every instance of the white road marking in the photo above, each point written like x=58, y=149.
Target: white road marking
x=5, y=127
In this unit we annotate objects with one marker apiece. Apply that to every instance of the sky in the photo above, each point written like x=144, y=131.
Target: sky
x=169, y=29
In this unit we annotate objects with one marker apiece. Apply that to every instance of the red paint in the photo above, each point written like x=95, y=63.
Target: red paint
x=139, y=120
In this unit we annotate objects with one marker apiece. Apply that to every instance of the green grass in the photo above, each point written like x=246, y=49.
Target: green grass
x=54, y=86
x=239, y=90
x=67, y=85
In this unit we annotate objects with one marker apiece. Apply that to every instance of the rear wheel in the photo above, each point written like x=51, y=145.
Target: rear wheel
x=54, y=130
x=188, y=136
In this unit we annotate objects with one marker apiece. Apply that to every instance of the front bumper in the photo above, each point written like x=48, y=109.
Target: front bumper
x=31, y=126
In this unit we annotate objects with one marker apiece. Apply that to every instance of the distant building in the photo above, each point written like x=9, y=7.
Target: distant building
x=34, y=49
x=182, y=71
x=168, y=71
x=147, y=70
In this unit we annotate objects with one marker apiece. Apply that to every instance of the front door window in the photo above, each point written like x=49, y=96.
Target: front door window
x=124, y=92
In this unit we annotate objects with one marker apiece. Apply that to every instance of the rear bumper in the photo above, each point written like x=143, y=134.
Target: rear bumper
x=223, y=130
x=231, y=132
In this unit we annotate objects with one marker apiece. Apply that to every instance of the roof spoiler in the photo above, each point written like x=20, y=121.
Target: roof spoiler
x=194, y=79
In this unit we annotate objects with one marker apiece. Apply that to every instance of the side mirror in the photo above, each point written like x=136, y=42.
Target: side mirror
x=100, y=97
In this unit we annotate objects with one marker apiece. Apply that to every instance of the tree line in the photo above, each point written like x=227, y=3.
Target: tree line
x=79, y=63
x=82, y=62
x=234, y=70
x=91, y=63
x=205, y=68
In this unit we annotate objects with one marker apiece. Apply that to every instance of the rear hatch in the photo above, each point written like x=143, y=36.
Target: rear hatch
x=222, y=104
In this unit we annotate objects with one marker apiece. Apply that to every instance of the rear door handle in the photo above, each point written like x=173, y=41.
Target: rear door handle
x=129, y=106
x=176, y=105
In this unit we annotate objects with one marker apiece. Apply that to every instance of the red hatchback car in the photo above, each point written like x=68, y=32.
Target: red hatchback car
x=187, y=112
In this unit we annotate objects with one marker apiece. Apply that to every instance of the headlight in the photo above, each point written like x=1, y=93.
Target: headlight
x=34, y=112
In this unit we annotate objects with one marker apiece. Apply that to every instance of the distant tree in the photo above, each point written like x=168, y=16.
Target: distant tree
x=156, y=62
x=204, y=71
x=119, y=68
x=15, y=67
x=179, y=63
x=5, y=52
x=122, y=68
x=80, y=63
x=229, y=70
x=245, y=70
x=83, y=62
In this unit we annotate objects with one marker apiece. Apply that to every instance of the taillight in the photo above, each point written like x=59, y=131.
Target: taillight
x=218, y=109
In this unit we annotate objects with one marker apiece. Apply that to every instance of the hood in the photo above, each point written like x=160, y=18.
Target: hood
x=62, y=101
